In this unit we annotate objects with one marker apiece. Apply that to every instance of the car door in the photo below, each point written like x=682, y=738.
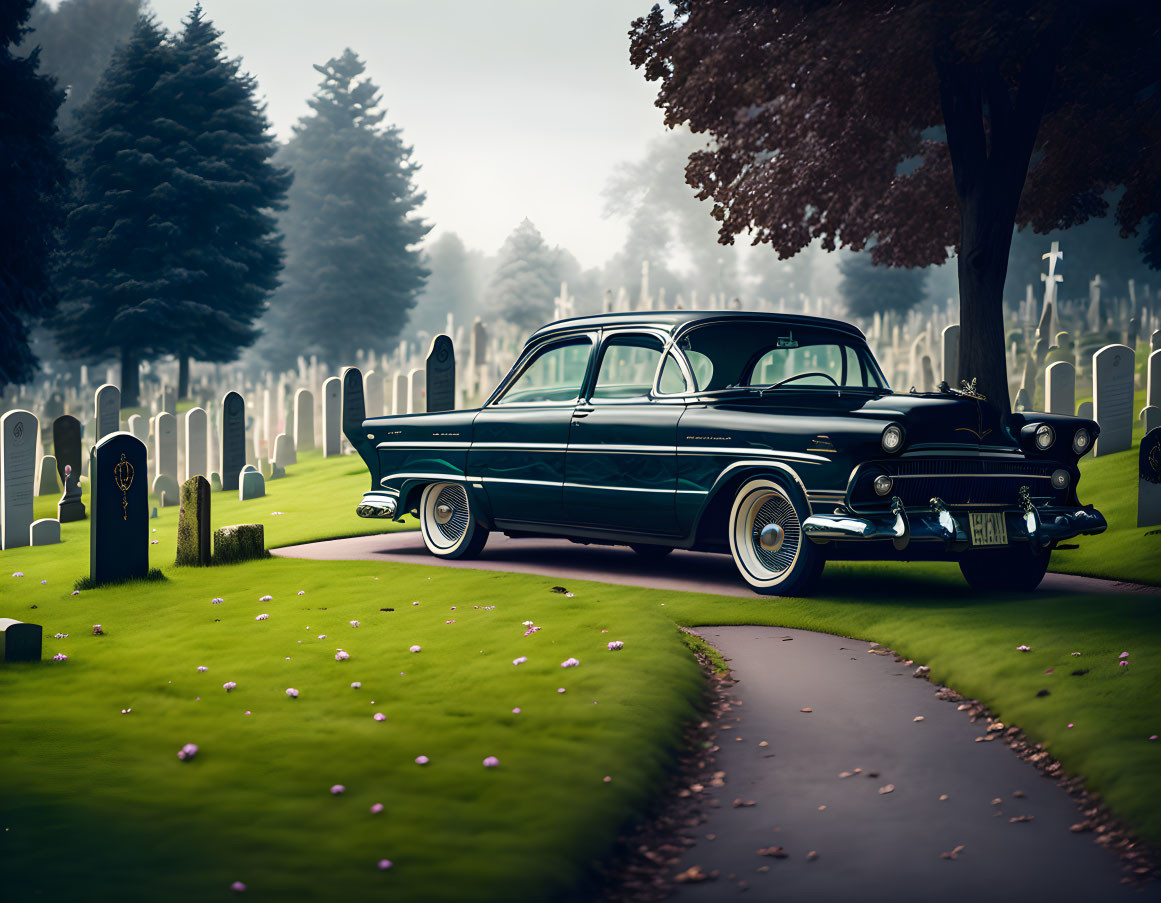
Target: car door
x=621, y=465
x=519, y=438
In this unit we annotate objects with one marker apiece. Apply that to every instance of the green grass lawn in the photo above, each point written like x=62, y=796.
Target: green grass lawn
x=95, y=804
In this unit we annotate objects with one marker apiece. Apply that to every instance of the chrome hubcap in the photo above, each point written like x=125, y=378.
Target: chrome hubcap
x=770, y=537
x=443, y=513
x=450, y=512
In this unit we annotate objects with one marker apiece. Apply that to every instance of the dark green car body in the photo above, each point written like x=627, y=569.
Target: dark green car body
x=662, y=467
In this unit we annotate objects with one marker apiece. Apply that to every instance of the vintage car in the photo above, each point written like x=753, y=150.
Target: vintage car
x=772, y=437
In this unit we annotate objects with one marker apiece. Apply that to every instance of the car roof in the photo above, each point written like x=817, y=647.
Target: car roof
x=675, y=320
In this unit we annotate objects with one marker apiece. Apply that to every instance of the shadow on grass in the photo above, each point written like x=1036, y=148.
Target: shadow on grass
x=154, y=575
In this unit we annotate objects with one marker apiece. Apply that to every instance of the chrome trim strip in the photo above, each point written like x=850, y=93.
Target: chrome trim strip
x=751, y=453
x=973, y=476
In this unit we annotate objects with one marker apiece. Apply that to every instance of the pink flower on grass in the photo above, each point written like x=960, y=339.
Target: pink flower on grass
x=526, y=624
x=321, y=636
x=531, y=630
x=229, y=685
x=1152, y=736
x=266, y=599
x=1075, y=654
x=452, y=621
x=377, y=808
x=302, y=592
x=1070, y=724
x=98, y=630
x=75, y=592
x=292, y=693
x=615, y=645
x=1023, y=648
x=561, y=690
x=421, y=760
x=520, y=661
x=379, y=716
x=337, y=789
x=354, y=623
x=262, y=617
x=238, y=887
x=203, y=668
x=416, y=649
x=491, y=762
x=187, y=752
x=18, y=573
x=126, y=711
x=216, y=601
x=1123, y=655
x=453, y=608
x=607, y=779
x=414, y=603
x=1124, y=663
x=60, y=657
x=569, y=663
x=384, y=864
x=516, y=711
x=356, y=685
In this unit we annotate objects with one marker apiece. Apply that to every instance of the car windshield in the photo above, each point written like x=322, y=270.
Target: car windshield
x=758, y=354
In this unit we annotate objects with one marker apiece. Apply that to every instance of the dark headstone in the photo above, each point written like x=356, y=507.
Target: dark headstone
x=66, y=444
x=441, y=375
x=193, y=522
x=1149, y=474
x=233, y=439
x=119, y=524
x=354, y=407
x=19, y=642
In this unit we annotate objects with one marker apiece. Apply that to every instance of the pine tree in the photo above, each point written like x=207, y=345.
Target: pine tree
x=77, y=40
x=229, y=191
x=353, y=271
x=32, y=178
x=120, y=280
x=454, y=286
x=527, y=277
x=867, y=288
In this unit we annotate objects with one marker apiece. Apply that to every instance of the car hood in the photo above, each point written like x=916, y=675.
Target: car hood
x=942, y=419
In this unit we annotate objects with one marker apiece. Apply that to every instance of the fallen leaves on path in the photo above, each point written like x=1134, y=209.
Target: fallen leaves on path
x=695, y=875
x=812, y=855
x=952, y=853
x=1015, y=819
x=918, y=718
x=887, y=788
x=775, y=852
x=807, y=710
x=740, y=803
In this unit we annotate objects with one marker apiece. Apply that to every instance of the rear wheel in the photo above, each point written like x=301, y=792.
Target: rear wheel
x=650, y=552
x=448, y=523
x=767, y=542
x=1015, y=569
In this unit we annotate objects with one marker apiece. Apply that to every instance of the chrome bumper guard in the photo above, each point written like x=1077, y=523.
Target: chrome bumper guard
x=377, y=504
x=1042, y=526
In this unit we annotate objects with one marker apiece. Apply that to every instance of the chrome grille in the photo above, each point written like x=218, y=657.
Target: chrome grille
x=969, y=481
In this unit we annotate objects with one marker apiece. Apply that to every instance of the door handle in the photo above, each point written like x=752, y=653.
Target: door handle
x=581, y=412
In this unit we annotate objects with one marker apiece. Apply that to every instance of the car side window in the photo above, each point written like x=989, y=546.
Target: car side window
x=672, y=380
x=628, y=365
x=554, y=374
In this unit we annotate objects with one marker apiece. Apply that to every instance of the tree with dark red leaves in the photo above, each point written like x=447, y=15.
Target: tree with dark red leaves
x=922, y=128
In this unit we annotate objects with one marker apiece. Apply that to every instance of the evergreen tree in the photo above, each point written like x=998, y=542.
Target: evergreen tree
x=228, y=191
x=353, y=271
x=455, y=286
x=867, y=288
x=527, y=277
x=77, y=40
x=123, y=235
x=32, y=177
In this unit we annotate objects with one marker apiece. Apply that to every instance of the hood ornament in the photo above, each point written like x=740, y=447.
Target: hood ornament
x=968, y=390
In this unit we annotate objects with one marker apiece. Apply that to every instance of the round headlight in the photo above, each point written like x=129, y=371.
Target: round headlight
x=892, y=439
x=1045, y=436
x=1060, y=479
x=883, y=484
x=1081, y=441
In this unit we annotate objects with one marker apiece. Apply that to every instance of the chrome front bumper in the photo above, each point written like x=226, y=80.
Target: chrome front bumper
x=377, y=504
x=1042, y=526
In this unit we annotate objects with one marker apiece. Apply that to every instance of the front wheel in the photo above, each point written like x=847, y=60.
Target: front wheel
x=448, y=523
x=767, y=542
x=1014, y=569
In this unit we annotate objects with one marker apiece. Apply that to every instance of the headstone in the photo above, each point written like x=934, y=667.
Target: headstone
x=1084, y=410
x=70, y=508
x=415, y=399
x=354, y=407
x=399, y=393
x=21, y=642
x=233, y=439
x=927, y=372
x=119, y=525
x=165, y=445
x=139, y=427
x=441, y=374
x=169, y=400
x=196, y=431
x=48, y=483
x=1150, y=418
x=1149, y=480
x=17, y=476
x=44, y=532
x=1153, y=379
x=284, y=451
x=66, y=444
x=951, y=354
x=107, y=409
x=303, y=420
x=1060, y=388
x=252, y=485
x=277, y=471
x=193, y=523
x=1022, y=402
x=332, y=415
x=166, y=490
x=215, y=481
x=373, y=393
x=1112, y=370
x=1155, y=341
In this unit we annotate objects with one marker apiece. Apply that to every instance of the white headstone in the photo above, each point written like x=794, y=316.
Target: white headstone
x=399, y=393
x=197, y=426
x=284, y=451
x=18, y=431
x=303, y=420
x=1112, y=373
x=139, y=427
x=416, y=392
x=332, y=416
x=1060, y=388
x=107, y=409
x=373, y=393
x=951, y=355
x=165, y=444
x=1153, y=379
x=1150, y=418
x=44, y=532
x=1084, y=410
x=48, y=483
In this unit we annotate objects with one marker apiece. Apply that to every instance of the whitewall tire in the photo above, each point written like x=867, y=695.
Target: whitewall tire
x=769, y=548
x=448, y=523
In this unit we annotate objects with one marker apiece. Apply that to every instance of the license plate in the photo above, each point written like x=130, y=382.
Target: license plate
x=989, y=530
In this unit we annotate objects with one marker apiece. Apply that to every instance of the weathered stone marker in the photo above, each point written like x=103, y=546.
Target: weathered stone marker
x=193, y=523
x=284, y=453
x=951, y=355
x=354, y=407
x=107, y=409
x=196, y=428
x=165, y=445
x=17, y=476
x=22, y=642
x=332, y=413
x=1112, y=373
x=240, y=542
x=1149, y=484
x=119, y=525
x=251, y=484
x=304, y=420
x=47, y=484
x=165, y=490
x=441, y=374
x=70, y=507
x=233, y=439
x=44, y=532
x=1060, y=388
x=1084, y=410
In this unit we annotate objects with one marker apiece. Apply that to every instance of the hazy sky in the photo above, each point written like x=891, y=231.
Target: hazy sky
x=515, y=108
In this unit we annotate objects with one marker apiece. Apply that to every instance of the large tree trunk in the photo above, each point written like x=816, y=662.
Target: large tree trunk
x=990, y=138
x=182, y=377
x=130, y=381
